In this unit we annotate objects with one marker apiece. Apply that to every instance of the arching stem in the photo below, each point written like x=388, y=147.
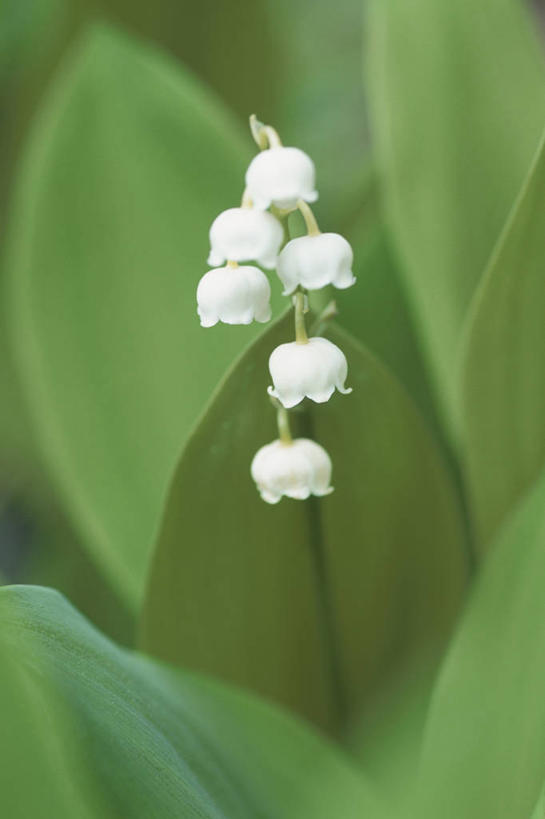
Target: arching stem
x=308, y=216
x=265, y=136
x=301, y=336
x=283, y=421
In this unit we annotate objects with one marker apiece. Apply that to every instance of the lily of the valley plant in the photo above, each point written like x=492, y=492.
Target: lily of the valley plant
x=282, y=179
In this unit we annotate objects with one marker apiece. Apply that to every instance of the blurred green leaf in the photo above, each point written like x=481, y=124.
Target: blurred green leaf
x=315, y=603
x=539, y=811
x=129, y=163
x=320, y=102
x=503, y=364
x=296, y=65
x=30, y=38
x=377, y=311
x=58, y=559
x=457, y=104
x=156, y=742
x=485, y=748
x=228, y=45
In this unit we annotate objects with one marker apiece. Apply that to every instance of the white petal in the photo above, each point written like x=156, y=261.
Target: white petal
x=245, y=234
x=233, y=295
x=321, y=396
x=295, y=470
x=215, y=259
x=270, y=497
x=206, y=320
x=311, y=370
x=288, y=398
x=316, y=261
x=281, y=176
x=321, y=464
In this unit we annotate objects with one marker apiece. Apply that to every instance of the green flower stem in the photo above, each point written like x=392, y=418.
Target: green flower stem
x=326, y=609
x=300, y=328
x=310, y=219
x=283, y=421
x=265, y=135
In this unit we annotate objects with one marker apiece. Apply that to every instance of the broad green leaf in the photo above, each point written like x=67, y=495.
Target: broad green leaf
x=457, y=100
x=485, y=749
x=156, y=742
x=539, y=811
x=311, y=603
x=228, y=45
x=128, y=165
x=305, y=77
x=35, y=779
x=31, y=35
x=377, y=311
x=503, y=364
x=320, y=103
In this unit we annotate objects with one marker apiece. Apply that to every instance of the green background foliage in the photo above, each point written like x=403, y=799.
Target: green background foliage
x=338, y=657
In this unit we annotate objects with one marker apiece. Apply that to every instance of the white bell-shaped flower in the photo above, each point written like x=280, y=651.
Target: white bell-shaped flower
x=233, y=295
x=245, y=235
x=315, y=261
x=280, y=176
x=296, y=469
x=310, y=370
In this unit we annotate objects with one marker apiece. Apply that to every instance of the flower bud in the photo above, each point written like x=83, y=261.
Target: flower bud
x=280, y=176
x=296, y=469
x=315, y=261
x=244, y=235
x=233, y=295
x=311, y=370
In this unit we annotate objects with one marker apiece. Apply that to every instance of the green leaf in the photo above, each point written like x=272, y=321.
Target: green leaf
x=377, y=311
x=503, y=364
x=57, y=558
x=457, y=104
x=539, y=811
x=315, y=603
x=31, y=36
x=229, y=46
x=487, y=722
x=323, y=110
x=33, y=769
x=129, y=163
x=155, y=742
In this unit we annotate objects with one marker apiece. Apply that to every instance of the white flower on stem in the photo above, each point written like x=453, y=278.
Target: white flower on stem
x=295, y=469
x=315, y=261
x=245, y=235
x=280, y=176
x=309, y=370
x=233, y=295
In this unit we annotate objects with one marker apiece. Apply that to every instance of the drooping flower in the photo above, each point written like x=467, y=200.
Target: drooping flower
x=310, y=370
x=280, y=176
x=245, y=235
x=233, y=295
x=295, y=469
x=315, y=261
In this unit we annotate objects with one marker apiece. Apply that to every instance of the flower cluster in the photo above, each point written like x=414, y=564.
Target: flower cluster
x=236, y=291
